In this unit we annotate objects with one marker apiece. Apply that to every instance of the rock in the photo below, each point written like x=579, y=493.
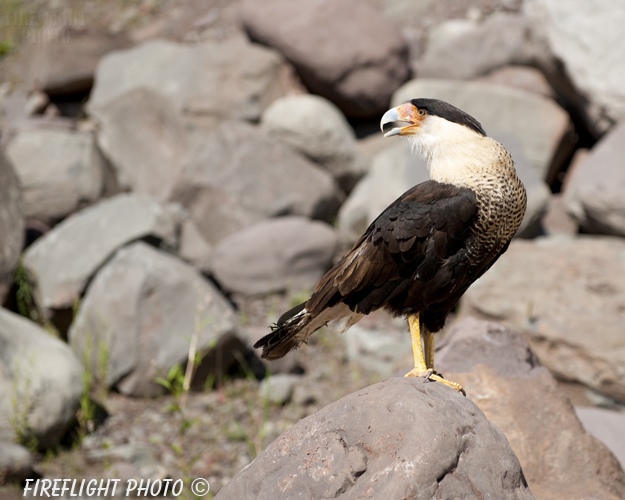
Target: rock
x=64, y=259
x=145, y=140
x=608, y=426
x=400, y=438
x=208, y=82
x=538, y=122
x=194, y=249
x=60, y=170
x=396, y=169
x=376, y=349
x=501, y=374
x=143, y=309
x=278, y=388
x=237, y=176
x=587, y=38
x=316, y=128
x=502, y=39
x=11, y=224
x=16, y=462
x=37, y=103
x=357, y=60
x=594, y=190
x=521, y=77
x=40, y=383
x=67, y=66
x=557, y=220
x=557, y=290
x=275, y=255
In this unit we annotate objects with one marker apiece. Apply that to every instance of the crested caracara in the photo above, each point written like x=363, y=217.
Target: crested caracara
x=423, y=252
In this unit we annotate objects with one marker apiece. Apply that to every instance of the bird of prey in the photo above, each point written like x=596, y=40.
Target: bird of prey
x=423, y=252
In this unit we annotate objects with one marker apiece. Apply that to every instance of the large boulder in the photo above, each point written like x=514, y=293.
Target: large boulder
x=208, y=82
x=595, y=189
x=537, y=121
x=145, y=139
x=316, y=128
x=275, y=255
x=16, y=463
x=400, y=438
x=238, y=176
x=143, y=309
x=40, y=383
x=478, y=48
x=65, y=259
x=502, y=375
x=60, y=170
x=67, y=65
x=587, y=38
x=357, y=60
x=566, y=294
x=11, y=224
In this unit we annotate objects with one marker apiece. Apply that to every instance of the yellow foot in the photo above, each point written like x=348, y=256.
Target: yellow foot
x=453, y=385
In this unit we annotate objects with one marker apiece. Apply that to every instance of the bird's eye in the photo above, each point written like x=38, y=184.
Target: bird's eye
x=422, y=113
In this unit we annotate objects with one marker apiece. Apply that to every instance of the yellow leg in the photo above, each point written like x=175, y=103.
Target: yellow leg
x=424, y=365
x=420, y=369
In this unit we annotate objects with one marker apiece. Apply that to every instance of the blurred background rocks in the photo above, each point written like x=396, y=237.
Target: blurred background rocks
x=174, y=175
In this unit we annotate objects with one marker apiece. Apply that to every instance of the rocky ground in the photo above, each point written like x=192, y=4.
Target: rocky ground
x=175, y=174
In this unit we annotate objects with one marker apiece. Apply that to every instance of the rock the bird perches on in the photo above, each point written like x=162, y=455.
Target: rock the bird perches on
x=423, y=252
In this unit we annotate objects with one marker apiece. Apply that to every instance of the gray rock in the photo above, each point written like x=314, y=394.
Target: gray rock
x=376, y=349
x=275, y=255
x=608, y=426
x=40, y=382
x=538, y=122
x=194, y=248
x=205, y=81
x=144, y=308
x=316, y=128
x=400, y=438
x=521, y=77
x=500, y=40
x=356, y=61
x=145, y=139
x=278, y=388
x=587, y=38
x=64, y=259
x=595, y=189
x=16, y=462
x=11, y=224
x=557, y=290
x=67, y=64
x=503, y=376
x=60, y=170
x=557, y=220
x=238, y=176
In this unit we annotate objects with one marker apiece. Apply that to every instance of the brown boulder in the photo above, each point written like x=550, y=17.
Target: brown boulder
x=504, y=378
x=356, y=60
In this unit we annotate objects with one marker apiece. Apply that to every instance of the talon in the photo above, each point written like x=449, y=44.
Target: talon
x=453, y=385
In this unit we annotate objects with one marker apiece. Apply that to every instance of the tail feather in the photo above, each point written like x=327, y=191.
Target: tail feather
x=294, y=327
x=287, y=334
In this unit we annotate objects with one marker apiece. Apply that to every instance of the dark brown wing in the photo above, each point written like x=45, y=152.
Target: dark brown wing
x=413, y=254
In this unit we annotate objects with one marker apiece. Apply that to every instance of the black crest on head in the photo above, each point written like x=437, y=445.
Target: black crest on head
x=449, y=113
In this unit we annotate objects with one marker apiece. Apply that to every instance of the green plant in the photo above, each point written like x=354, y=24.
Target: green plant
x=24, y=294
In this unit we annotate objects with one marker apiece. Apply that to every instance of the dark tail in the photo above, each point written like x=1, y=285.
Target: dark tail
x=290, y=331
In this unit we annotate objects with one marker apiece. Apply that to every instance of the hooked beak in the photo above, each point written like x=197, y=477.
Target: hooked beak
x=404, y=113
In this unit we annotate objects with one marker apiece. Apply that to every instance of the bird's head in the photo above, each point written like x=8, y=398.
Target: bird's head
x=447, y=137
